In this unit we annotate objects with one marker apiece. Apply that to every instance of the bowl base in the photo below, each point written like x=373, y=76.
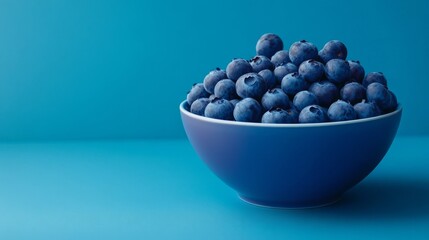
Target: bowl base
x=288, y=205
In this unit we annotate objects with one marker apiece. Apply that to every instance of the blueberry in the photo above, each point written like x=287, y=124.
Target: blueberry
x=211, y=97
x=341, y=111
x=260, y=63
x=269, y=77
x=333, y=49
x=268, y=44
x=293, y=83
x=251, y=85
x=301, y=51
x=378, y=93
x=294, y=114
x=337, y=71
x=237, y=67
x=248, y=110
x=225, y=89
x=313, y=114
x=281, y=57
x=212, y=78
x=234, y=101
x=325, y=110
x=319, y=59
x=304, y=99
x=197, y=91
x=366, y=109
x=220, y=109
x=357, y=72
x=278, y=115
x=353, y=92
x=311, y=70
x=374, y=77
x=186, y=106
x=275, y=98
x=393, y=103
x=282, y=70
x=199, y=105
x=326, y=92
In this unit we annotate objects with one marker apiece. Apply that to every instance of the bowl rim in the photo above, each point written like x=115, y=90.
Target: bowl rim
x=285, y=125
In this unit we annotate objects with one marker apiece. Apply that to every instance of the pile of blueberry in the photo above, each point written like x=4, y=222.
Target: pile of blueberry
x=302, y=85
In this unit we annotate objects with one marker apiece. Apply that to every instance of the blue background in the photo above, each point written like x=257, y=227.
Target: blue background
x=79, y=70
x=119, y=69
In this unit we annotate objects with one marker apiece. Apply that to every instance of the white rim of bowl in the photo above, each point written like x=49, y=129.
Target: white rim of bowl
x=289, y=125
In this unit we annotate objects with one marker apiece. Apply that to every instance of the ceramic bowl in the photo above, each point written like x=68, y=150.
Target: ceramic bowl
x=291, y=165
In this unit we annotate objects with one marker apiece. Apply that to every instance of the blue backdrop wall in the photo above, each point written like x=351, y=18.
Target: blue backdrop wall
x=101, y=69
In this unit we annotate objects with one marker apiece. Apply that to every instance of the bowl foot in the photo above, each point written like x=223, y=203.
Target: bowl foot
x=289, y=205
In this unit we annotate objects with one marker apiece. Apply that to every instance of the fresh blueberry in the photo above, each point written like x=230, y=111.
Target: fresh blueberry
x=211, y=97
x=313, y=114
x=341, y=111
x=251, y=85
x=301, y=51
x=212, y=78
x=278, y=115
x=374, y=77
x=326, y=92
x=220, y=109
x=353, y=92
x=337, y=71
x=304, y=99
x=357, y=71
x=248, y=110
x=281, y=57
x=275, y=98
x=225, y=89
x=197, y=91
x=268, y=44
x=199, y=105
x=282, y=70
x=366, y=109
x=237, y=67
x=186, y=106
x=393, y=103
x=325, y=110
x=269, y=77
x=311, y=70
x=294, y=114
x=260, y=63
x=319, y=59
x=378, y=93
x=333, y=49
x=293, y=83
x=234, y=101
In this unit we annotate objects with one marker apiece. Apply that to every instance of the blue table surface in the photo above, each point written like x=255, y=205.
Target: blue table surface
x=160, y=189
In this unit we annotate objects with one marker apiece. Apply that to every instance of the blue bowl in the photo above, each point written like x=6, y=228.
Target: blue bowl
x=291, y=165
